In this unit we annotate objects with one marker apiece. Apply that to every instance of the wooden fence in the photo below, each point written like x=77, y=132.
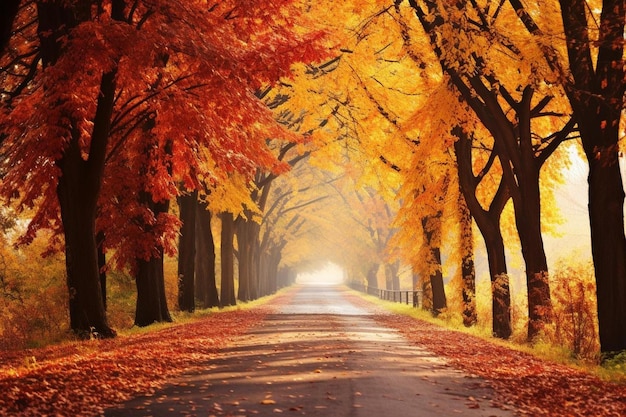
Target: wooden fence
x=409, y=297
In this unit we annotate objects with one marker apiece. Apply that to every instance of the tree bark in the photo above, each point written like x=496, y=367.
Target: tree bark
x=80, y=180
x=151, y=304
x=227, y=260
x=78, y=190
x=249, y=258
x=102, y=267
x=468, y=272
x=205, y=258
x=372, y=276
x=488, y=222
x=597, y=98
x=150, y=279
x=187, y=251
x=435, y=287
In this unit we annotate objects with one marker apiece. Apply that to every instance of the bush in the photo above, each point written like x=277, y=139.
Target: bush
x=575, y=323
x=33, y=296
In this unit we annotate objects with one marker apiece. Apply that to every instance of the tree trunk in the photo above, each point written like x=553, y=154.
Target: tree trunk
x=500, y=289
x=78, y=190
x=597, y=98
x=248, y=238
x=468, y=272
x=187, y=251
x=80, y=180
x=488, y=222
x=527, y=206
x=151, y=301
x=205, y=258
x=102, y=267
x=284, y=277
x=606, y=199
x=435, y=288
x=245, y=259
x=372, y=277
x=228, y=260
x=150, y=280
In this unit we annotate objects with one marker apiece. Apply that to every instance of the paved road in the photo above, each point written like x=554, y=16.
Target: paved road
x=321, y=356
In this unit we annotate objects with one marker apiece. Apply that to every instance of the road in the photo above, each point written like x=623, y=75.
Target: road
x=320, y=355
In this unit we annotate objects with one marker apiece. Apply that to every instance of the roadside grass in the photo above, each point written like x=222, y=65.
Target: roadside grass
x=613, y=370
x=183, y=317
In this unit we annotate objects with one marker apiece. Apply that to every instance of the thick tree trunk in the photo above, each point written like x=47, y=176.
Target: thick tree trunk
x=187, y=251
x=151, y=301
x=500, y=288
x=205, y=258
x=78, y=190
x=284, y=277
x=597, y=97
x=245, y=260
x=80, y=180
x=227, y=260
x=86, y=307
x=606, y=200
x=249, y=258
x=272, y=262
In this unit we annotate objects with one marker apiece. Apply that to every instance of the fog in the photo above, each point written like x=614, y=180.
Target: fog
x=330, y=274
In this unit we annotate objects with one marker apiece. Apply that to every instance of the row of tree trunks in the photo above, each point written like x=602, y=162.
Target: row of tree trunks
x=520, y=163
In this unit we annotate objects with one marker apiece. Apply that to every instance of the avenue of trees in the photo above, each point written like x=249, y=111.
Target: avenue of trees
x=250, y=141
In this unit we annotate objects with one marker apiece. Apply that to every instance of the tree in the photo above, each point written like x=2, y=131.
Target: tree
x=486, y=92
x=594, y=41
x=108, y=70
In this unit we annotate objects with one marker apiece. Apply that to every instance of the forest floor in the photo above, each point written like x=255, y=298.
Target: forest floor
x=144, y=371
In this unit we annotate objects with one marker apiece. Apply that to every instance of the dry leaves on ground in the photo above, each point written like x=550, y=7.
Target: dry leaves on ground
x=534, y=386
x=84, y=378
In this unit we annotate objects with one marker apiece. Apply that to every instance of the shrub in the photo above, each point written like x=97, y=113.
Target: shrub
x=575, y=309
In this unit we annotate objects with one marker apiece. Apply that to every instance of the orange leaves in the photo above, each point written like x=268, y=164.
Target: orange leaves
x=534, y=386
x=185, y=107
x=84, y=379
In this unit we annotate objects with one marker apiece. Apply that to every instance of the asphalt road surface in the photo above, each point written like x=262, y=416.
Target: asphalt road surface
x=320, y=355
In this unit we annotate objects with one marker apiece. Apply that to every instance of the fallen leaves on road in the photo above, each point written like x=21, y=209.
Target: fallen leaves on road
x=534, y=386
x=83, y=378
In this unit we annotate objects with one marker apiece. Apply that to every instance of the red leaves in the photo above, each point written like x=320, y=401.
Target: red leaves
x=84, y=378
x=185, y=75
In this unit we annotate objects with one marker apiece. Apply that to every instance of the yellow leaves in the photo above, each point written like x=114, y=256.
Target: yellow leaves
x=232, y=194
